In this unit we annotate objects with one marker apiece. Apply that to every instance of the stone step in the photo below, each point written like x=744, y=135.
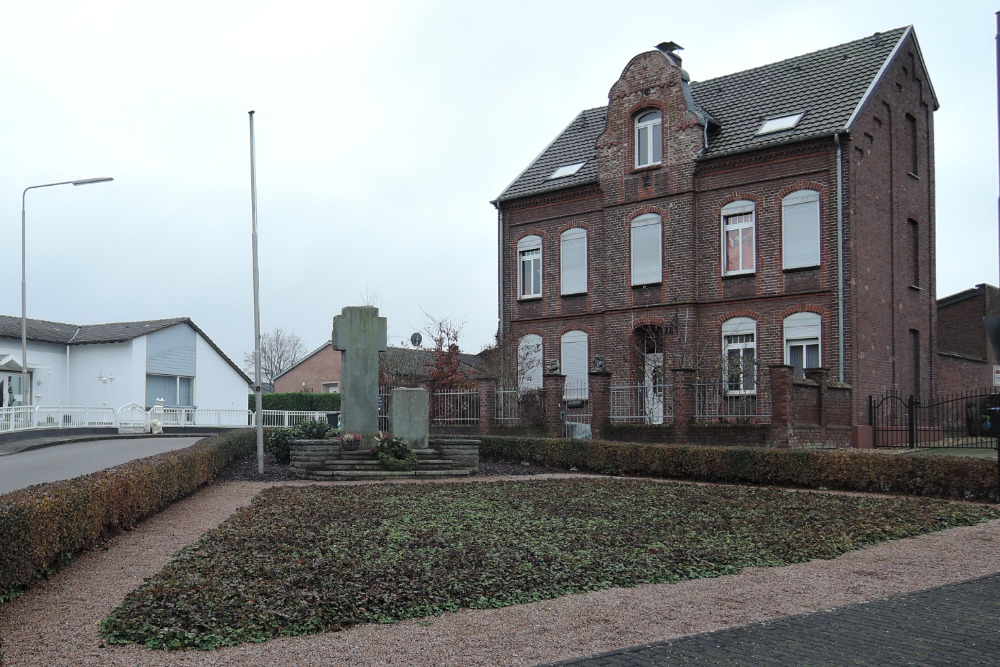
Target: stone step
x=371, y=475
x=375, y=465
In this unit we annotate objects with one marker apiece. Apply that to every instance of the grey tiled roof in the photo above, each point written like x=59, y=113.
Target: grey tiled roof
x=60, y=332
x=827, y=85
x=576, y=144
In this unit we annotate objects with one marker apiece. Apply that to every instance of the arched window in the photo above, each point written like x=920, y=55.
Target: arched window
x=739, y=350
x=573, y=261
x=800, y=237
x=803, y=334
x=574, y=363
x=529, y=362
x=529, y=275
x=738, y=222
x=648, y=139
x=647, y=250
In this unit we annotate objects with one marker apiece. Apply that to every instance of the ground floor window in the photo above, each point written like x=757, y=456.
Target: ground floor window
x=739, y=348
x=331, y=387
x=175, y=390
x=802, y=332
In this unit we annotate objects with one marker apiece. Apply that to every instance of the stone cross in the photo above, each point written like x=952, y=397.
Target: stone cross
x=360, y=334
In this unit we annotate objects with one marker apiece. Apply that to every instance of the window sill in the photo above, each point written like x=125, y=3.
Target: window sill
x=529, y=298
x=743, y=274
x=572, y=294
x=916, y=288
x=645, y=167
x=795, y=269
x=647, y=285
x=912, y=175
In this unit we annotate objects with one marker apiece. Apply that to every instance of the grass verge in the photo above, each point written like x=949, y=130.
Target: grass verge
x=311, y=559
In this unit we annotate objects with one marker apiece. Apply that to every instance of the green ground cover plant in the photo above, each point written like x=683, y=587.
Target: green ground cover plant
x=311, y=559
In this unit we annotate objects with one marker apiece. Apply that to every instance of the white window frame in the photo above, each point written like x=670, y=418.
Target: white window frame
x=649, y=135
x=574, y=363
x=803, y=330
x=331, y=387
x=739, y=335
x=781, y=123
x=530, y=378
x=739, y=217
x=800, y=238
x=573, y=271
x=529, y=251
x=647, y=249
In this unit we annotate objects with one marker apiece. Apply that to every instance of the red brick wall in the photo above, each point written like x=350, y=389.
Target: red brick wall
x=957, y=374
x=324, y=366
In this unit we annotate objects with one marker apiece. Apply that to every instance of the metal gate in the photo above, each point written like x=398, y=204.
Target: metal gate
x=576, y=410
x=968, y=419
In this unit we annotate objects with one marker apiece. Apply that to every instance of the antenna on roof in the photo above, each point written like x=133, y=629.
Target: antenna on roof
x=669, y=47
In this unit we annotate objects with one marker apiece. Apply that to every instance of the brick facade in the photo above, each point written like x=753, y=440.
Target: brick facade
x=877, y=204
x=965, y=356
x=310, y=374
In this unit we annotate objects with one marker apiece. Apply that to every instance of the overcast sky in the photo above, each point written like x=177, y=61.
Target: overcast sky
x=383, y=130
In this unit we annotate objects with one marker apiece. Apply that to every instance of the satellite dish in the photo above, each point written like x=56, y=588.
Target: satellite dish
x=416, y=339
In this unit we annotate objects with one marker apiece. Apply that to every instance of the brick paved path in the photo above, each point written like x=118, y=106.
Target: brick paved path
x=957, y=624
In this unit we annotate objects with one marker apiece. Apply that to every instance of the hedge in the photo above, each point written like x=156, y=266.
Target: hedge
x=299, y=401
x=45, y=524
x=849, y=470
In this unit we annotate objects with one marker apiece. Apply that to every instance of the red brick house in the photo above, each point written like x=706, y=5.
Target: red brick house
x=965, y=357
x=783, y=214
x=318, y=372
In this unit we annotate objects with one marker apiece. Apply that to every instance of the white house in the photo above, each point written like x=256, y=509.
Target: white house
x=117, y=364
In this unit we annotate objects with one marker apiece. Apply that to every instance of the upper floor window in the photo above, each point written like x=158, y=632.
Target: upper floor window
x=800, y=237
x=647, y=250
x=738, y=222
x=802, y=342
x=529, y=259
x=649, y=139
x=739, y=348
x=529, y=362
x=573, y=261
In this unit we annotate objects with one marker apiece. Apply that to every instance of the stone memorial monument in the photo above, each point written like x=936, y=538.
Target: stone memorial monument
x=360, y=334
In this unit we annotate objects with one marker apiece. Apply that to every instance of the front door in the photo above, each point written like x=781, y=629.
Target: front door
x=13, y=395
x=653, y=381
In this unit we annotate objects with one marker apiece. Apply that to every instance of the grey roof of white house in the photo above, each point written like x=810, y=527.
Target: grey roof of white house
x=61, y=333
x=828, y=85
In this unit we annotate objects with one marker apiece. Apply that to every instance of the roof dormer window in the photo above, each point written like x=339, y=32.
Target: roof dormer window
x=649, y=139
x=566, y=170
x=780, y=124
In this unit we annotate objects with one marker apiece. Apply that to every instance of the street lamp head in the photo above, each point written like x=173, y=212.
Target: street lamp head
x=88, y=181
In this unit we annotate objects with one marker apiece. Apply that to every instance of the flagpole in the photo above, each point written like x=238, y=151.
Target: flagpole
x=259, y=412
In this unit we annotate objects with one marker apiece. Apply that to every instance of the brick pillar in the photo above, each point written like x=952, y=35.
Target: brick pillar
x=487, y=403
x=600, y=403
x=781, y=405
x=683, y=402
x=820, y=376
x=553, y=385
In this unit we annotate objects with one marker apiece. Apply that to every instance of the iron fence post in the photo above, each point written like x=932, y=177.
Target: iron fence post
x=911, y=415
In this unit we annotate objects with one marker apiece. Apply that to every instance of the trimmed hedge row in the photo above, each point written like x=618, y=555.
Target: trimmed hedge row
x=848, y=470
x=44, y=525
x=299, y=400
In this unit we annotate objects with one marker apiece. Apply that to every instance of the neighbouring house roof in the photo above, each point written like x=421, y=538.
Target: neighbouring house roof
x=978, y=290
x=829, y=86
x=413, y=362
x=43, y=331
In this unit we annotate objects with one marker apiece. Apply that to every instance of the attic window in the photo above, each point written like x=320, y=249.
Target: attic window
x=566, y=170
x=772, y=125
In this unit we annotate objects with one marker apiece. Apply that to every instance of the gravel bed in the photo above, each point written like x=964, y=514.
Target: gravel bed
x=55, y=622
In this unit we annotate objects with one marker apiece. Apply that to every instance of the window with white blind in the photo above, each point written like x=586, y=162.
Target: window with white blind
x=574, y=363
x=738, y=226
x=647, y=249
x=802, y=333
x=800, y=238
x=529, y=362
x=176, y=391
x=649, y=139
x=573, y=261
x=739, y=349
x=529, y=274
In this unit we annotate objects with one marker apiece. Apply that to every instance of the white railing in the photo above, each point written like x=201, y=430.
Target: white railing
x=455, y=406
x=642, y=403
x=730, y=402
x=26, y=418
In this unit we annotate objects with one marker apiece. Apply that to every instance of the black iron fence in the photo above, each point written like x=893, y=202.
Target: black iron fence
x=967, y=419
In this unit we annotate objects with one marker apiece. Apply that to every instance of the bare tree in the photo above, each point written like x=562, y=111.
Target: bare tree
x=279, y=351
x=443, y=331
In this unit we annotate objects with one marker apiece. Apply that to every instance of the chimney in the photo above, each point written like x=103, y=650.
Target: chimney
x=670, y=50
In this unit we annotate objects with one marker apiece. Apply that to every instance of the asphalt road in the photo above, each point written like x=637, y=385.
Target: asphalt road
x=73, y=459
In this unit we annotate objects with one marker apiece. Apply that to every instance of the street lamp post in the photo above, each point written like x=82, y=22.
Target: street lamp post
x=25, y=390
